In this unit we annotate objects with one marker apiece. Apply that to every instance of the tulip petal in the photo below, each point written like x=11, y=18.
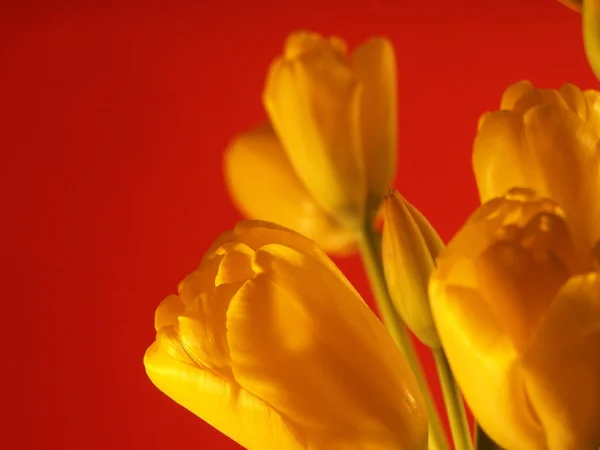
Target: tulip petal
x=562, y=367
x=245, y=418
x=514, y=93
x=493, y=285
x=568, y=159
x=485, y=364
x=168, y=311
x=375, y=67
x=519, y=286
x=550, y=150
x=499, y=158
x=263, y=185
x=279, y=320
x=313, y=102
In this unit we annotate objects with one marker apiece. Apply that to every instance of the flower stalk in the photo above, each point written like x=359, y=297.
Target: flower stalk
x=370, y=245
x=457, y=416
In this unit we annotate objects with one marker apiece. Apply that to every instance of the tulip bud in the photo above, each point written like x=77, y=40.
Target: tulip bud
x=268, y=342
x=518, y=314
x=409, y=248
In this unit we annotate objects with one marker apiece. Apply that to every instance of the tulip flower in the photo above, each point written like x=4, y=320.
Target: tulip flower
x=334, y=141
x=263, y=184
x=545, y=140
x=518, y=313
x=270, y=344
x=409, y=248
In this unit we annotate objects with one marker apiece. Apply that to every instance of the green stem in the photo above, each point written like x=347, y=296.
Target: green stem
x=457, y=416
x=369, y=246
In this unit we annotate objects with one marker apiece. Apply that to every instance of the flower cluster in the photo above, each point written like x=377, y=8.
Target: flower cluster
x=268, y=342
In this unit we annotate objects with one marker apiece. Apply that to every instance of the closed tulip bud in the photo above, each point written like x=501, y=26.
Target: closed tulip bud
x=518, y=313
x=336, y=117
x=409, y=248
x=545, y=140
x=269, y=343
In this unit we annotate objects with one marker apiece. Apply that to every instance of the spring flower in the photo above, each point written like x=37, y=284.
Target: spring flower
x=269, y=343
x=334, y=116
x=545, y=140
x=409, y=248
x=263, y=184
x=517, y=309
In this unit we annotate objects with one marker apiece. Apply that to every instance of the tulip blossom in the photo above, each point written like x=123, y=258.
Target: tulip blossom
x=332, y=141
x=270, y=344
x=263, y=184
x=409, y=248
x=545, y=140
x=517, y=309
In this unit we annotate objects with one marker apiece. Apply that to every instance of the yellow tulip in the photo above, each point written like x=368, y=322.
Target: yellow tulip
x=545, y=140
x=270, y=344
x=336, y=117
x=518, y=313
x=409, y=248
x=263, y=184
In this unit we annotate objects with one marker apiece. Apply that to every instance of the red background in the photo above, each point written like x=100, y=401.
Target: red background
x=114, y=120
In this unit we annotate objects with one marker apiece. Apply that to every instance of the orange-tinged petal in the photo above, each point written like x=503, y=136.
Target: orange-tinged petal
x=484, y=362
x=248, y=419
x=519, y=286
x=375, y=67
x=492, y=288
x=313, y=99
x=514, y=93
x=562, y=366
x=499, y=159
x=548, y=142
x=168, y=311
x=331, y=389
x=264, y=186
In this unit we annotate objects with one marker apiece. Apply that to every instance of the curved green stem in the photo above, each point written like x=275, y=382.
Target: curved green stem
x=370, y=243
x=457, y=416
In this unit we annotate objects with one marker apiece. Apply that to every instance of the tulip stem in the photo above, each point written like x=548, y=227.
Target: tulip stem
x=370, y=244
x=455, y=407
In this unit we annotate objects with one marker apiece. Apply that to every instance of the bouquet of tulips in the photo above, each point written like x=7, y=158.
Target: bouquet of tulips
x=268, y=342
